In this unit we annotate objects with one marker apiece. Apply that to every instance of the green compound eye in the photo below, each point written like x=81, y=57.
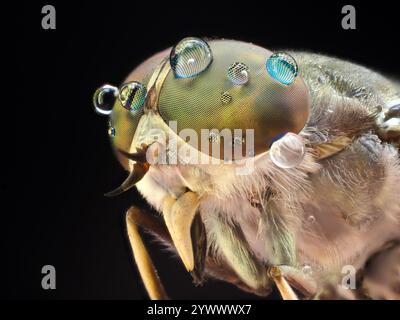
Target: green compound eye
x=282, y=67
x=132, y=95
x=190, y=57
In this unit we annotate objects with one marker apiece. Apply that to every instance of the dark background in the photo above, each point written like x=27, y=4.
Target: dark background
x=54, y=209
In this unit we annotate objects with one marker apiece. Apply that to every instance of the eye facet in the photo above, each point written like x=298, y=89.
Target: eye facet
x=132, y=95
x=238, y=73
x=190, y=57
x=282, y=67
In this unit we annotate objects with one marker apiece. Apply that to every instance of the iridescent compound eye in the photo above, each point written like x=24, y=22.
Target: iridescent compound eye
x=132, y=95
x=282, y=67
x=190, y=57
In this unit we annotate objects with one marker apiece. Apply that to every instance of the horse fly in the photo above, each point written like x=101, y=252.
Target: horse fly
x=265, y=168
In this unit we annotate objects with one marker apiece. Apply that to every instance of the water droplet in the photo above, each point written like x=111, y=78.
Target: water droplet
x=238, y=73
x=321, y=79
x=104, y=98
x=282, y=67
x=307, y=270
x=238, y=141
x=287, y=152
x=213, y=137
x=111, y=132
x=190, y=57
x=226, y=97
x=311, y=219
x=132, y=95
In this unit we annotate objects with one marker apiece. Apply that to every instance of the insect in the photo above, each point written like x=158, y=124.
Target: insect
x=266, y=168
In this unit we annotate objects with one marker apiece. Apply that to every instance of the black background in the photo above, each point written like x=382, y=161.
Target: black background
x=54, y=210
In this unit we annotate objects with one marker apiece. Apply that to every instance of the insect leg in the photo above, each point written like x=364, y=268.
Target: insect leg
x=231, y=243
x=187, y=231
x=305, y=284
x=148, y=272
x=283, y=286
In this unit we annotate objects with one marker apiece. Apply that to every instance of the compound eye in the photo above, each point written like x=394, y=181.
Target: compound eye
x=282, y=67
x=132, y=95
x=190, y=57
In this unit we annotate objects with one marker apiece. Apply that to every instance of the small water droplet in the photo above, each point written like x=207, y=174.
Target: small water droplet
x=213, y=137
x=238, y=73
x=238, y=141
x=321, y=79
x=226, y=97
x=311, y=219
x=307, y=270
x=111, y=132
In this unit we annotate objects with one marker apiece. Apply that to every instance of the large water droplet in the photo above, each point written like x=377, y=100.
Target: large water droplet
x=282, y=67
x=132, y=95
x=190, y=57
x=238, y=73
x=104, y=98
x=287, y=152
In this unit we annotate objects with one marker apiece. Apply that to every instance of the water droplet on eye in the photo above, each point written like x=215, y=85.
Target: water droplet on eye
x=311, y=219
x=111, y=132
x=238, y=141
x=307, y=270
x=104, y=98
x=226, y=97
x=238, y=73
x=282, y=67
x=287, y=152
x=190, y=57
x=132, y=95
x=213, y=137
